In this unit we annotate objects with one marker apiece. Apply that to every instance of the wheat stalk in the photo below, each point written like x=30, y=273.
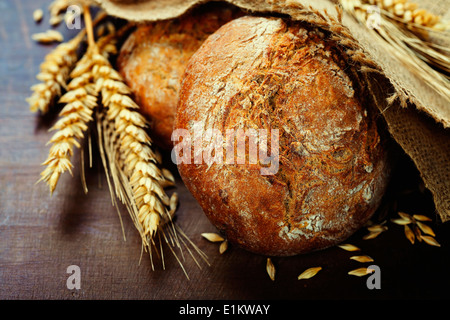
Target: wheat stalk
x=404, y=39
x=408, y=12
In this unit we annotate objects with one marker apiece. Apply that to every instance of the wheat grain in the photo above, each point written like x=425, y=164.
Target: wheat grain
x=38, y=14
x=420, y=217
x=48, y=36
x=401, y=221
x=430, y=240
x=372, y=235
x=213, y=237
x=349, y=247
x=405, y=216
x=270, y=268
x=309, y=273
x=377, y=228
x=223, y=246
x=374, y=231
x=409, y=234
x=173, y=204
x=362, y=259
x=417, y=232
x=360, y=272
x=425, y=229
x=404, y=219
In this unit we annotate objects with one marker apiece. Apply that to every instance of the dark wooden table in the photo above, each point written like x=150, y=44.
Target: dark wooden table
x=42, y=235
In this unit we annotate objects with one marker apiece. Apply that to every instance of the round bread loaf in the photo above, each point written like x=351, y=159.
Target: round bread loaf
x=323, y=174
x=152, y=60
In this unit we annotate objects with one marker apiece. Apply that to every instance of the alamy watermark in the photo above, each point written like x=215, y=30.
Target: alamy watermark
x=74, y=280
x=235, y=146
x=374, y=280
x=72, y=17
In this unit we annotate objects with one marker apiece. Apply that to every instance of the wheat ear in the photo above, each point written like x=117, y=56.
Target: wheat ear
x=404, y=40
x=54, y=73
x=408, y=12
x=138, y=160
x=133, y=165
x=135, y=159
x=80, y=101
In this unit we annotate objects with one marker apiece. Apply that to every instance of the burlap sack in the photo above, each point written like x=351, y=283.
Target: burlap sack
x=418, y=117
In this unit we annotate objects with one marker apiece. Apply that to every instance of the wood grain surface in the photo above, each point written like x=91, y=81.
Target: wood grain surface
x=41, y=235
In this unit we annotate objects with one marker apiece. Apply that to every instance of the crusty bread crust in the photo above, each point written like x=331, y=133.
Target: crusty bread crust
x=153, y=58
x=270, y=73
